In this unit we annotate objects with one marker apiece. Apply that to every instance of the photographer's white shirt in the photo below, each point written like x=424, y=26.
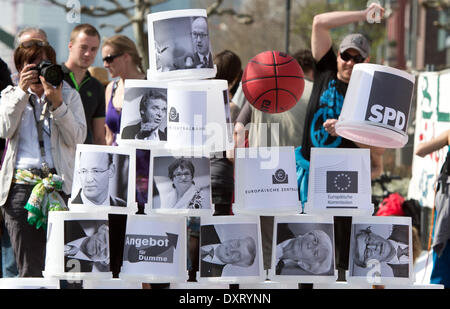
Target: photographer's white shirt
x=29, y=151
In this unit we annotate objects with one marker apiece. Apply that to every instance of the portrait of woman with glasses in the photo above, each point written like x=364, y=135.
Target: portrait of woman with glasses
x=181, y=183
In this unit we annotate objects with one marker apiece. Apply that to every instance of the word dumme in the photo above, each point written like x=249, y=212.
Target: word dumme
x=143, y=257
x=149, y=241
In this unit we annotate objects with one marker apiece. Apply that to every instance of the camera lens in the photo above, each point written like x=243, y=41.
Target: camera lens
x=53, y=74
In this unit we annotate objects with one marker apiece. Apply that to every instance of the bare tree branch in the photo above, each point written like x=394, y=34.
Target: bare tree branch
x=97, y=11
x=214, y=9
x=118, y=29
x=136, y=13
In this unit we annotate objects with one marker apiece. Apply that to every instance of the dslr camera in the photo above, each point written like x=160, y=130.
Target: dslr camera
x=52, y=73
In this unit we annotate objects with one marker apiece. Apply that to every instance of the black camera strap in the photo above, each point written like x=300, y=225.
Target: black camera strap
x=45, y=114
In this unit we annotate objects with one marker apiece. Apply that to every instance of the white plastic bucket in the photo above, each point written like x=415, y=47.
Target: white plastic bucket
x=266, y=181
x=197, y=117
x=172, y=46
x=29, y=283
x=155, y=249
x=339, y=182
x=269, y=285
x=112, y=284
x=59, y=233
x=376, y=106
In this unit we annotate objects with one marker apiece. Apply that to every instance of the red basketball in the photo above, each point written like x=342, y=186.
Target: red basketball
x=273, y=82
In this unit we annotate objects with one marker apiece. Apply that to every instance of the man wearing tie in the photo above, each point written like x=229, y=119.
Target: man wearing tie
x=216, y=254
x=88, y=243
x=311, y=253
x=95, y=171
x=153, y=111
x=200, y=38
x=392, y=251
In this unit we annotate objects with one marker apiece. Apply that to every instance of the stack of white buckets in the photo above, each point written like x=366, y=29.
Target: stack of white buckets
x=362, y=120
x=215, y=137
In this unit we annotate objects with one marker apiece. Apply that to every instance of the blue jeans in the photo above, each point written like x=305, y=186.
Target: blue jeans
x=9, y=266
x=28, y=242
x=440, y=274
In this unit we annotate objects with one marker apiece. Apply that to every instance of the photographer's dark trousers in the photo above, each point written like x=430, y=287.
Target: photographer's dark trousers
x=27, y=242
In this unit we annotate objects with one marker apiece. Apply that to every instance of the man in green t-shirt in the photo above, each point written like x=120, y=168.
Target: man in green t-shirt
x=83, y=47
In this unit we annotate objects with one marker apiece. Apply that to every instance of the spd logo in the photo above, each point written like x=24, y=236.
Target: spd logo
x=389, y=100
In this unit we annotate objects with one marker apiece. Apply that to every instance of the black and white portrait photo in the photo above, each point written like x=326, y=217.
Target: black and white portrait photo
x=382, y=250
x=144, y=115
x=101, y=178
x=229, y=250
x=304, y=249
x=182, y=43
x=86, y=246
x=181, y=183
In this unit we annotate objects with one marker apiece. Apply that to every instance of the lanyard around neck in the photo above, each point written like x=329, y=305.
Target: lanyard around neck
x=45, y=114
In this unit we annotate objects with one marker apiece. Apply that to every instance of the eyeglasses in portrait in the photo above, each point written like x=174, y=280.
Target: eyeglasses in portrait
x=103, y=177
x=182, y=43
x=181, y=183
x=381, y=249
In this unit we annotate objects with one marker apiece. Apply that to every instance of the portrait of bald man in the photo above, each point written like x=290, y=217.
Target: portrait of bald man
x=304, y=249
x=221, y=248
x=202, y=57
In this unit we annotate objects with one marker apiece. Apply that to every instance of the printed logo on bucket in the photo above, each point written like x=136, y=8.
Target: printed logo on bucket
x=342, y=182
x=389, y=100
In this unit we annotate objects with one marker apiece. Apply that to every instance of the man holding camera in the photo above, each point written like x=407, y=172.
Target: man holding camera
x=43, y=123
x=83, y=47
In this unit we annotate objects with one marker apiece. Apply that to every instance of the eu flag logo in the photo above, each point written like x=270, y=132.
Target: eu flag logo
x=342, y=182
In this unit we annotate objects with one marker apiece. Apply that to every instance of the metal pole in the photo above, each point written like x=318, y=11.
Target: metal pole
x=288, y=15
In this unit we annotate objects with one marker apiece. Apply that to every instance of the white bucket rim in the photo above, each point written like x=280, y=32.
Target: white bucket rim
x=397, y=138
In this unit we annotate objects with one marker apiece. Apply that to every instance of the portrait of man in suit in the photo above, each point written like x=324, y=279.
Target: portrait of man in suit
x=310, y=253
x=95, y=170
x=153, y=112
x=217, y=253
x=202, y=57
x=392, y=251
x=87, y=242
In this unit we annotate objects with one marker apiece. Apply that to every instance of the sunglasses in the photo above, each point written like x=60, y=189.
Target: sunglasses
x=30, y=43
x=110, y=58
x=356, y=59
